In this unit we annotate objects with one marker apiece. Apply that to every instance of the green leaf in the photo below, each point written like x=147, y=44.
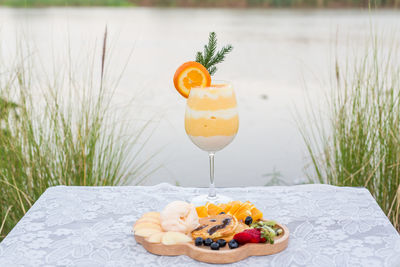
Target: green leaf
x=212, y=70
x=199, y=57
x=209, y=50
x=209, y=58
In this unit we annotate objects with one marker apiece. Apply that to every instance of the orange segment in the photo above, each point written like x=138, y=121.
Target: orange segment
x=256, y=214
x=245, y=206
x=202, y=211
x=191, y=74
x=225, y=207
x=235, y=206
x=243, y=211
x=240, y=210
x=213, y=209
x=222, y=206
x=241, y=216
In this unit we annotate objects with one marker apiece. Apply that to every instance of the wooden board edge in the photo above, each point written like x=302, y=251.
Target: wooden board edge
x=218, y=256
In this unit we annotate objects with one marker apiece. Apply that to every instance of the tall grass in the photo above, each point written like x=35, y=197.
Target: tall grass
x=358, y=143
x=44, y=3
x=50, y=136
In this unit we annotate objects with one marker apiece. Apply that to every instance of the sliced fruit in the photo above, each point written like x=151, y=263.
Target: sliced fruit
x=213, y=209
x=148, y=220
x=235, y=206
x=245, y=206
x=256, y=214
x=191, y=74
x=156, y=237
x=172, y=238
x=249, y=236
x=202, y=211
x=152, y=214
x=241, y=215
x=146, y=225
x=226, y=207
x=243, y=211
x=146, y=232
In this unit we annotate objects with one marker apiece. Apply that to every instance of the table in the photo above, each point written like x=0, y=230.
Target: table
x=92, y=226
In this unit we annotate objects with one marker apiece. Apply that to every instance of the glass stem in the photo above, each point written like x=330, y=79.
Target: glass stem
x=211, y=191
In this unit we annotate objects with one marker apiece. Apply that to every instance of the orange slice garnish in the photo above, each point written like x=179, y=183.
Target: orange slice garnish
x=241, y=215
x=191, y=74
x=202, y=211
x=256, y=214
x=213, y=209
x=235, y=205
x=245, y=206
x=243, y=211
x=225, y=207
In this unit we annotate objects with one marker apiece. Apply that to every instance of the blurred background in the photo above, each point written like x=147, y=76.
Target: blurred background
x=283, y=58
x=208, y=3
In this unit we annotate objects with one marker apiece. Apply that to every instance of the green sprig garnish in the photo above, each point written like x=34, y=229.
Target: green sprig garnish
x=209, y=58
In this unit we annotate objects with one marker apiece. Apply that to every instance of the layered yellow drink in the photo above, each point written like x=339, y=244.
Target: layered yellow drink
x=211, y=119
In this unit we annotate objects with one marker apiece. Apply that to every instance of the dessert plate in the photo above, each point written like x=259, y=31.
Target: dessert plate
x=223, y=255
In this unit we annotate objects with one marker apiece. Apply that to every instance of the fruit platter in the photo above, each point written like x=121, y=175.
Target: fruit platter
x=223, y=233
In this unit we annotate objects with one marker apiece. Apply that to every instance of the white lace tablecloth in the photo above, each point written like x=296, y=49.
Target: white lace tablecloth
x=92, y=226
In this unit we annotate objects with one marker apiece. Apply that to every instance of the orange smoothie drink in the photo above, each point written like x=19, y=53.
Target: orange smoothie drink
x=211, y=118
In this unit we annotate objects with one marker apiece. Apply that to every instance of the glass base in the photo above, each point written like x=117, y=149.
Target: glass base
x=203, y=199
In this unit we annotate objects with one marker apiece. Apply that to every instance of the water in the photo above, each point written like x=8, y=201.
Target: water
x=279, y=57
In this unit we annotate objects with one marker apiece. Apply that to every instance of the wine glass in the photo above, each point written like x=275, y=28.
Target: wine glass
x=211, y=122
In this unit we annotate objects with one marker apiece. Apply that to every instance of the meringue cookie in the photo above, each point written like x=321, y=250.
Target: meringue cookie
x=179, y=216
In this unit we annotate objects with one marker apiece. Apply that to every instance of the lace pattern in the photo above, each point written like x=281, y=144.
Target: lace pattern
x=92, y=226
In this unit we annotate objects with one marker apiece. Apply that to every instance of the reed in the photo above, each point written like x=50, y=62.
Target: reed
x=62, y=137
x=358, y=142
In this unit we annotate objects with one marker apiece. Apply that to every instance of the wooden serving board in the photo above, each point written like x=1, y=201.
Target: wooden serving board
x=223, y=255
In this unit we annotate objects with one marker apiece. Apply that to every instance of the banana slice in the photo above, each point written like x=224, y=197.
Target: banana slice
x=148, y=219
x=146, y=232
x=152, y=214
x=156, y=237
x=146, y=225
x=172, y=238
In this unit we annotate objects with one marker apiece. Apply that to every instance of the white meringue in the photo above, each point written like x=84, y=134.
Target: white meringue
x=179, y=216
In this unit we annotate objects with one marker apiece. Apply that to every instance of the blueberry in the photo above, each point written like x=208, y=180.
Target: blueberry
x=248, y=220
x=222, y=212
x=198, y=241
x=233, y=244
x=221, y=242
x=214, y=246
x=207, y=242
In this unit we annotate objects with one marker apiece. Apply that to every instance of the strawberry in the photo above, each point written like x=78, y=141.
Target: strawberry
x=248, y=236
